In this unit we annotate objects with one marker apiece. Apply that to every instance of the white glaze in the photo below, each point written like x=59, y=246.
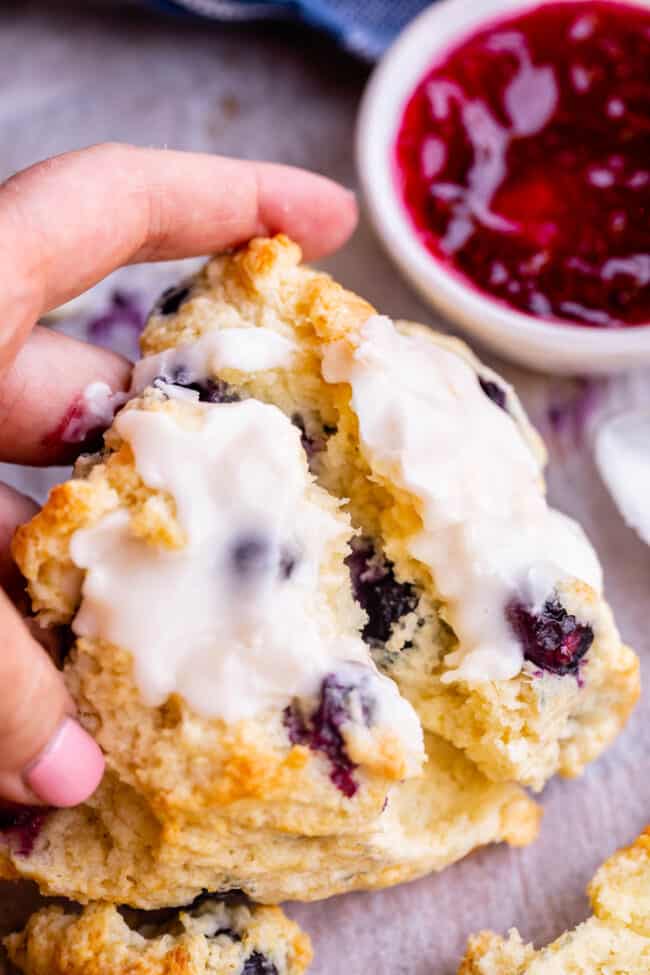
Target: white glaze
x=243, y=349
x=94, y=411
x=488, y=534
x=233, y=644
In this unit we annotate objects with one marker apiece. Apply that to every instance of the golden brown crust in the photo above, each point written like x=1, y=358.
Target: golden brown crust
x=620, y=890
x=213, y=805
x=488, y=954
x=116, y=848
x=100, y=942
x=616, y=939
x=525, y=729
x=192, y=803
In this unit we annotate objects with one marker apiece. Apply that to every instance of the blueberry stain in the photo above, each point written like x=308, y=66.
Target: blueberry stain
x=322, y=731
x=22, y=824
x=251, y=557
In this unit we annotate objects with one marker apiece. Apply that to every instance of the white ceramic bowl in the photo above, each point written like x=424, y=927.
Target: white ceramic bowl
x=550, y=346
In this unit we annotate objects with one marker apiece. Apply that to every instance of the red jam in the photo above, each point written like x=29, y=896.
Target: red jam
x=523, y=159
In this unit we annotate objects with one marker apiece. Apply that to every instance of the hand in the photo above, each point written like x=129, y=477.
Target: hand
x=65, y=224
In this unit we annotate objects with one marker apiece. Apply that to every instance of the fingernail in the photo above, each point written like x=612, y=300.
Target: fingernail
x=69, y=769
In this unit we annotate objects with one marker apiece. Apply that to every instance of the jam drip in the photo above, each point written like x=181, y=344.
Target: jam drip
x=523, y=159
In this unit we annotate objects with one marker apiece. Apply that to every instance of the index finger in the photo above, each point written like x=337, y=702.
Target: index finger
x=68, y=222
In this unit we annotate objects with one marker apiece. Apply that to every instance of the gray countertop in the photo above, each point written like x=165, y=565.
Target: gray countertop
x=77, y=73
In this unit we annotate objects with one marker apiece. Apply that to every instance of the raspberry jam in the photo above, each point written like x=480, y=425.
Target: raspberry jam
x=523, y=160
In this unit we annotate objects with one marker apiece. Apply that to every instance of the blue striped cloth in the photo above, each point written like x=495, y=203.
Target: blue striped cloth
x=365, y=27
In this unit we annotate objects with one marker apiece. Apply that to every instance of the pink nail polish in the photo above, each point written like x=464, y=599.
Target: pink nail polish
x=69, y=769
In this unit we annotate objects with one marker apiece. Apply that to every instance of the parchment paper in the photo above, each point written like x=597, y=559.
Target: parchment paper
x=73, y=74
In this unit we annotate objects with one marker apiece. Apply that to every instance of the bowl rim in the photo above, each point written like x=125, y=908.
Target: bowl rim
x=383, y=102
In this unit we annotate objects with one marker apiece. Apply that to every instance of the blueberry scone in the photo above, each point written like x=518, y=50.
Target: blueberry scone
x=212, y=937
x=616, y=939
x=324, y=621
x=251, y=742
x=480, y=601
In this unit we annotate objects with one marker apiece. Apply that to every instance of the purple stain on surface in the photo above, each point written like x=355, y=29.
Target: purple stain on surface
x=125, y=312
x=322, y=731
x=22, y=824
x=569, y=413
x=551, y=639
x=378, y=592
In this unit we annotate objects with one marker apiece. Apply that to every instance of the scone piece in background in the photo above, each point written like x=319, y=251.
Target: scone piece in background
x=211, y=938
x=616, y=939
x=251, y=743
x=482, y=603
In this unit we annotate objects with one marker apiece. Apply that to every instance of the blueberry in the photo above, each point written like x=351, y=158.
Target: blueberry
x=210, y=390
x=552, y=639
x=378, y=592
x=66, y=641
x=23, y=823
x=312, y=445
x=259, y=964
x=215, y=391
x=172, y=299
x=228, y=933
x=321, y=732
x=251, y=556
x=494, y=392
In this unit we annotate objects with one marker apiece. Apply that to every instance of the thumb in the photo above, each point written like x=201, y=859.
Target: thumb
x=46, y=757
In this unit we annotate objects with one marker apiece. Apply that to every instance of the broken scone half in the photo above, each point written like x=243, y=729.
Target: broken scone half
x=325, y=623
x=483, y=603
x=616, y=939
x=251, y=742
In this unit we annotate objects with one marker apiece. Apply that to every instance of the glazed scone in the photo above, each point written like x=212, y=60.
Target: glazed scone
x=210, y=938
x=251, y=742
x=615, y=941
x=483, y=604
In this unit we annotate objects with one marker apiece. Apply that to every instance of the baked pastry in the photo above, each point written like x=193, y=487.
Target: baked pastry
x=250, y=740
x=212, y=937
x=268, y=606
x=615, y=939
x=483, y=604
